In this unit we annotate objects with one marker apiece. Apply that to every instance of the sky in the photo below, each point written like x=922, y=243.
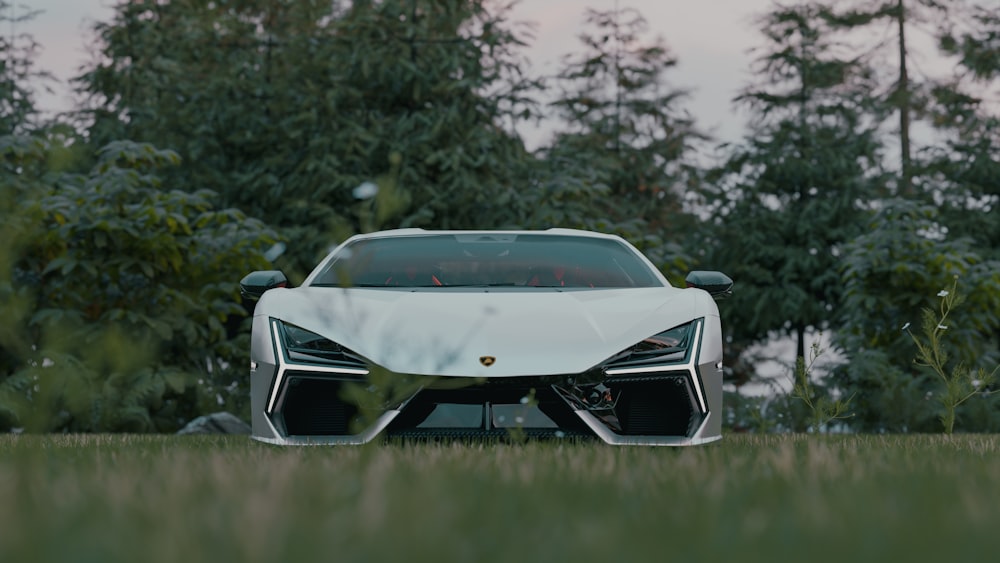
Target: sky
x=710, y=39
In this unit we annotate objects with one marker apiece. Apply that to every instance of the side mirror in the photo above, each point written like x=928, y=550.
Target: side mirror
x=717, y=284
x=254, y=284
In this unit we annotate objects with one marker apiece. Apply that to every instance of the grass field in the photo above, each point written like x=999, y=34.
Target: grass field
x=110, y=498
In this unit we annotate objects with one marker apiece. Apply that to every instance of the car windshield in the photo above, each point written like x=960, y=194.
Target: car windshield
x=487, y=260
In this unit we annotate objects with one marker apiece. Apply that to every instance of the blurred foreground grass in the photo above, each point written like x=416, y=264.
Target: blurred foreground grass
x=109, y=498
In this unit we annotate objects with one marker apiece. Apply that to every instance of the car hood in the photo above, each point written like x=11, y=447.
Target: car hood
x=447, y=331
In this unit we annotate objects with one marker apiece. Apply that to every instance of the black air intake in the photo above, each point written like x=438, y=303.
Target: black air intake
x=655, y=408
x=313, y=407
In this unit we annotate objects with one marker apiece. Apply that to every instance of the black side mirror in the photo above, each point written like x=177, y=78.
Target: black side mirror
x=717, y=284
x=254, y=284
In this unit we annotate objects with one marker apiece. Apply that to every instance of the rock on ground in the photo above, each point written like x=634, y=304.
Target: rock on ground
x=216, y=423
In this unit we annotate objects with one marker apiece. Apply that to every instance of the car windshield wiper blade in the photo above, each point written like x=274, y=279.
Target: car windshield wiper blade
x=504, y=284
x=421, y=286
x=347, y=285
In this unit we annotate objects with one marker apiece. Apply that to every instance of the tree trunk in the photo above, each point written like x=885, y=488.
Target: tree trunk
x=800, y=333
x=903, y=99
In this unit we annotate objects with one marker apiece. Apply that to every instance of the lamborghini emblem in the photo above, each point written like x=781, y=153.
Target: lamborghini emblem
x=487, y=360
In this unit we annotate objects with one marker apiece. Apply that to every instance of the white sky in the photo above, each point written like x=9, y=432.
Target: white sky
x=709, y=38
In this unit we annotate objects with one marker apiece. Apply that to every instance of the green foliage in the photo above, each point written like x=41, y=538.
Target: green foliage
x=959, y=174
x=17, y=71
x=745, y=413
x=284, y=108
x=573, y=194
x=21, y=164
x=622, y=158
x=905, y=91
x=978, y=46
x=801, y=401
x=823, y=409
x=787, y=199
x=961, y=383
x=291, y=111
x=125, y=289
x=903, y=257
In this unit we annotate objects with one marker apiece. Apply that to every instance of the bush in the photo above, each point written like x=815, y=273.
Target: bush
x=125, y=296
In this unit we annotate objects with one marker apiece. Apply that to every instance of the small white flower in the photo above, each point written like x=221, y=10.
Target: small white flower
x=976, y=383
x=906, y=326
x=943, y=293
x=942, y=327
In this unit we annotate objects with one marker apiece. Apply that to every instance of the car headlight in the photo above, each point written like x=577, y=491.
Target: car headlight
x=667, y=346
x=307, y=346
x=671, y=340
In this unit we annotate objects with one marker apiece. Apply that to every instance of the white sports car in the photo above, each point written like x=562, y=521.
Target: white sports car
x=427, y=334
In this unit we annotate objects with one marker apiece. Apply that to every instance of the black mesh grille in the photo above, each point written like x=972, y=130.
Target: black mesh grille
x=655, y=408
x=312, y=407
x=496, y=393
x=491, y=434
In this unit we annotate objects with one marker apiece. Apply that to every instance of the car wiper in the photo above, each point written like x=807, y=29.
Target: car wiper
x=505, y=284
x=347, y=285
x=421, y=286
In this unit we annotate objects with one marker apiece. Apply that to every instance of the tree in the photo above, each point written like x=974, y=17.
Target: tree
x=788, y=198
x=625, y=141
x=910, y=96
x=903, y=97
x=17, y=70
x=285, y=107
x=966, y=164
x=911, y=250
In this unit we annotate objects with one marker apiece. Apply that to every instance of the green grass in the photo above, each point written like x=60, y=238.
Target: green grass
x=107, y=498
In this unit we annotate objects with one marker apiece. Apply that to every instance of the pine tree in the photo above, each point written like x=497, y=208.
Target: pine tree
x=789, y=195
x=624, y=132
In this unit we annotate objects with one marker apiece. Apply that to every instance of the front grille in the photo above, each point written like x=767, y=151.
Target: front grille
x=313, y=407
x=489, y=409
x=499, y=434
x=655, y=408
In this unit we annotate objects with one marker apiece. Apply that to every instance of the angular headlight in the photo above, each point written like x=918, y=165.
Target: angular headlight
x=677, y=338
x=304, y=345
x=668, y=346
x=302, y=340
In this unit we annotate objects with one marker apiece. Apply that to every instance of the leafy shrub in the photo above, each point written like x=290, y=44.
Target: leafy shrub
x=905, y=256
x=126, y=292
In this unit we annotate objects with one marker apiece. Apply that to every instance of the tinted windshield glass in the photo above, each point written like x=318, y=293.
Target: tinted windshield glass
x=528, y=260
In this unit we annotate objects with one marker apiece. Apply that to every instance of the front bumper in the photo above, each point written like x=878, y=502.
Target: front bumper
x=672, y=404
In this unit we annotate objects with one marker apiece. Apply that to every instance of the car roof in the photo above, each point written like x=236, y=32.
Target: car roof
x=555, y=231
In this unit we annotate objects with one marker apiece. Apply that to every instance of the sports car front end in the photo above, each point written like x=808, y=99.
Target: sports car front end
x=348, y=365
